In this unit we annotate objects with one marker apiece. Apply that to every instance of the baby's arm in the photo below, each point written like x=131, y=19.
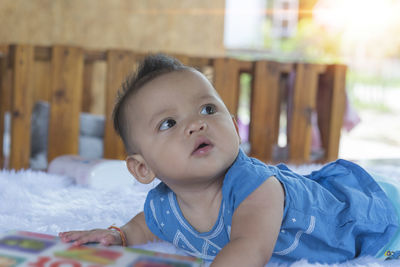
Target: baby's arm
x=136, y=233
x=255, y=227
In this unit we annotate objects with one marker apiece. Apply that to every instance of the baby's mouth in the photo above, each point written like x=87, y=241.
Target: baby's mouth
x=202, y=146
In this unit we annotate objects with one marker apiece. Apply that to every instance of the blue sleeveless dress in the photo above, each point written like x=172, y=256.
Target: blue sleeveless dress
x=331, y=215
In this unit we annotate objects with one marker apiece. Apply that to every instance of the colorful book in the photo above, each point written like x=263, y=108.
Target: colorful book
x=39, y=250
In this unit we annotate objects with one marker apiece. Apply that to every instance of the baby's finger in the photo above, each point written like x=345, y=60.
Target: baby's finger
x=83, y=240
x=108, y=240
x=65, y=236
x=71, y=236
x=90, y=236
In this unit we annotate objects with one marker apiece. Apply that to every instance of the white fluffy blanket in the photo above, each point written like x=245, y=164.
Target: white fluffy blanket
x=41, y=202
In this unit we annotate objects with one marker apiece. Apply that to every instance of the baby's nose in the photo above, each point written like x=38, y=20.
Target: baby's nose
x=196, y=126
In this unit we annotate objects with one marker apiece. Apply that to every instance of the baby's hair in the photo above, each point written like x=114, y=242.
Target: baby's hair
x=151, y=67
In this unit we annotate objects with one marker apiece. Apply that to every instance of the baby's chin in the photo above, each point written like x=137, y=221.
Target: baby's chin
x=214, y=170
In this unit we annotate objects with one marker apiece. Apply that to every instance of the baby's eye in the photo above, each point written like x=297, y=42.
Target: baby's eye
x=208, y=109
x=166, y=124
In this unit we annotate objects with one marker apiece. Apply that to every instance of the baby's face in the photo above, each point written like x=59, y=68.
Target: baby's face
x=182, y=128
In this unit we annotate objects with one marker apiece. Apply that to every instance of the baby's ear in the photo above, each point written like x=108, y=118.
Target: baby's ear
x=138, y=167
x=236, y=127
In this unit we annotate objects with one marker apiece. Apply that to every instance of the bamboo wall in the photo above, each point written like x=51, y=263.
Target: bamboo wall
x=173, y=26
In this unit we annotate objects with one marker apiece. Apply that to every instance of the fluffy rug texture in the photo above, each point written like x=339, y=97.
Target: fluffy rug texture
x=46, y=203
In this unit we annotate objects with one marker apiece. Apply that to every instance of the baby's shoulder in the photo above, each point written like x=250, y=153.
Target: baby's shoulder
x=243, y=178
x=160, y=191
x=250, y=167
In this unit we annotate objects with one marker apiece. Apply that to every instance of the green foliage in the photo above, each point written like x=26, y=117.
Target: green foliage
x=355, y=76
x=376, y=106
x=311, y=43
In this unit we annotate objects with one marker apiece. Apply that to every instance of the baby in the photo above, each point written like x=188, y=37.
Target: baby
x=220, y=205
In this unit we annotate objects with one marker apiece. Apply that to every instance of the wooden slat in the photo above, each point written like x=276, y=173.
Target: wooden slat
x=87, y=94
x=184, y=59
x=304, y=103
x=286, y=67
x=4, y=96
x=331, y=106
x=66, y=97
x=199, y=62
x=265, y=109
x=42, y=53
x=41, y=78
x=97, y=89
x=245, y=66
x=226, y=82
x=196, y=62
x=22, y=57
x=95, y=55
x=3, y=50
x=119, y=65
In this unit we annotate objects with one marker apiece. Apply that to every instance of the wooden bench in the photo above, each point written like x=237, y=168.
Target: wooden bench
x=63, y=76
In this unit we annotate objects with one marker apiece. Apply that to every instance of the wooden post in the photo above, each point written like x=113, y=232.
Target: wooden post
x=41, y=71
x=22, y=58
x=226, y=82
x=4, y=96
x=87, y=93
x=304, y=103
x=331, y=106
x=66, y=97
x=265, y=105
x=119, y=65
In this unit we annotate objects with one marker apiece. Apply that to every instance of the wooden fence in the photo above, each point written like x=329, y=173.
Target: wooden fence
x=63, y=75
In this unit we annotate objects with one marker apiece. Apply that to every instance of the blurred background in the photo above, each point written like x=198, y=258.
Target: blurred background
x=363, y=34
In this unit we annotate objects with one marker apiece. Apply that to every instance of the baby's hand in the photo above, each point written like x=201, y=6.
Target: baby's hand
x=103, y=236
